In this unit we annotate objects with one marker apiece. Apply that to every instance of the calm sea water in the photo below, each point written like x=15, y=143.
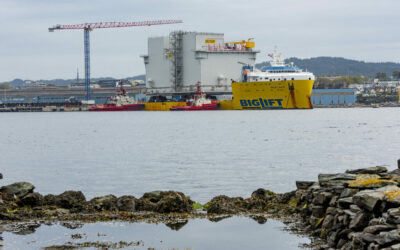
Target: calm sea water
x=202, y=154
x=196, y=234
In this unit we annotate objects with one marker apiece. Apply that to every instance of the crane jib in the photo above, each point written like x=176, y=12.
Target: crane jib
x=102, y=25
x=87, y=27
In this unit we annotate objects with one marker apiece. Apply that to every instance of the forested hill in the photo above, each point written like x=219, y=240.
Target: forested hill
x=323, y=66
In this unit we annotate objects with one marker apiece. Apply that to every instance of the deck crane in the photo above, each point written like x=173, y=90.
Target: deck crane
x=87, y=27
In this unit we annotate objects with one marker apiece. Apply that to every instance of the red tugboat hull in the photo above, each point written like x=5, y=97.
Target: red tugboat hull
x=211, y=106
x=128, y=107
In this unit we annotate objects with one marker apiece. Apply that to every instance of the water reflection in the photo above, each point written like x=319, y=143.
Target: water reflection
x=235, y=232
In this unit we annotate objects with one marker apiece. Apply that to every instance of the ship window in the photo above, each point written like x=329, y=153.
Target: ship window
x=270, y=80
x=292, y=78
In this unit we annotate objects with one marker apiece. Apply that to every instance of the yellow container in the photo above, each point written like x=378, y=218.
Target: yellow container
x=161, y=106
x=225, y=105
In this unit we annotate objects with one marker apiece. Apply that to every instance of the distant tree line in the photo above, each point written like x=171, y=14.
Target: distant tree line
x=5, y=85
x=339, y=82
x=323, y=66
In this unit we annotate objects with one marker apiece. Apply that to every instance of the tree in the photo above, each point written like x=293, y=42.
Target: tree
x=396, y=74
x=5, y=85
x=381, y=75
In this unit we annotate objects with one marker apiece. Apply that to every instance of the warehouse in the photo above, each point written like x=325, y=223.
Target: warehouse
x=333, y=96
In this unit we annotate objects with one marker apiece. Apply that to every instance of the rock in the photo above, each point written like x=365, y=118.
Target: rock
x=368, y=199
x=304, y=184
x=371, y=170
x=357, y=242
x=393, y=216
x=49, y=200
x=173, y=202
x=224, y=205
x=392, y=193
x=341, y=243
x=144, y=205
x=318, y=211
x=370, y=181
x=153, y=196
x=70, y=199
x=378, y=228
x=284, y=198
x=347, y=246
x=1, y=176
x=32, y=199
x=262, y=194
x=345, y=202
x=343, y=234
x=322, y=198
x=332, y=237
x=331, y=210
x=328, y=222
x=348, y=192
x=376, y=221
x=361, y=220
x=350, y=213
x=333, y=201
x=314, y=187
x=355, y=208
x=104, y=203
x=395, y=247
x=18, y=189
x=373, y=246
x=255, y=204
x=326, y=178
x=384, y=238
x=126, y=203
x=164, y=202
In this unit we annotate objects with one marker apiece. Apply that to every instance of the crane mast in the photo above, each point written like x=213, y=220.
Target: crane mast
x=87, y=27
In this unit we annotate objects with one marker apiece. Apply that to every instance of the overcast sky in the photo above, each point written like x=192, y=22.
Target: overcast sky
x=366, y=30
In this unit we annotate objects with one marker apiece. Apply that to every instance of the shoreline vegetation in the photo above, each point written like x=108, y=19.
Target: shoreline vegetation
x=358, y=209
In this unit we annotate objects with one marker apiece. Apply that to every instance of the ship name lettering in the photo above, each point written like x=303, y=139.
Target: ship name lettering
x=261, y=103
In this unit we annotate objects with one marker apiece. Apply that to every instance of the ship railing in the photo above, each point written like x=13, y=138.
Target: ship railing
x=225, y=48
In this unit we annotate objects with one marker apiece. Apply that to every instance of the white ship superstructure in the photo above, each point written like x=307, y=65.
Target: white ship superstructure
x=277, y=71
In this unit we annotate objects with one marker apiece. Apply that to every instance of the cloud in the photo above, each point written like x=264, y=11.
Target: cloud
x=357, y=29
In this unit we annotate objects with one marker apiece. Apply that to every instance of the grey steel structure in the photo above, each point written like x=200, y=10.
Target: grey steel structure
x=175, y=63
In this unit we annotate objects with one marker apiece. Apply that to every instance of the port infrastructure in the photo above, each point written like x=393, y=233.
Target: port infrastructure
x=87, y=27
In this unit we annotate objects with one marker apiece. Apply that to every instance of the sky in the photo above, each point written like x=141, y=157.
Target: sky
x=366, y=30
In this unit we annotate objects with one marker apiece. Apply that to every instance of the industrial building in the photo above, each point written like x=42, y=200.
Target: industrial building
x=333, y=96
x=175, y=63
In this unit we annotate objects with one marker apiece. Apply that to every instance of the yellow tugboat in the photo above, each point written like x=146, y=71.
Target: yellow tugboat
x=279, y=86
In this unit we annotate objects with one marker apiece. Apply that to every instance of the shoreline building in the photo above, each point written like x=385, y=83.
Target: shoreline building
x=175, y=63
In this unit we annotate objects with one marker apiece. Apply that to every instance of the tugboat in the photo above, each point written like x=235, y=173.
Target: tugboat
x=121, y=102
x=197, y=103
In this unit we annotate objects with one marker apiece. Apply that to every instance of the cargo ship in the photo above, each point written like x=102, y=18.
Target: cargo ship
x=120, y=102
x=278, y=86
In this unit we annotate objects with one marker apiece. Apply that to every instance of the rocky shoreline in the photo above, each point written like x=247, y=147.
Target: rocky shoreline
x=358, y=209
